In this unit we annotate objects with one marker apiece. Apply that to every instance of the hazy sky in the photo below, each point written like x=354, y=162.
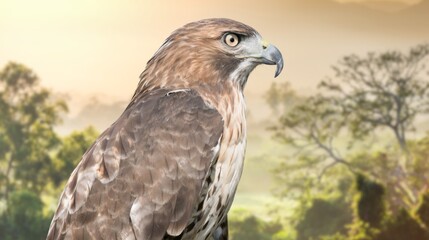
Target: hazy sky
x=400, y=1
x=88, y=47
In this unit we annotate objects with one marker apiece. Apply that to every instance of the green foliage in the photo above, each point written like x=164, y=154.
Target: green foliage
x=28, y=142
x=334, y=133
x=374, y=223
x=324, y=218
x=370, y=203
x=419, y=166
x=24, y=219
x=360, y=230
x=28, y=113
x=336, y=236
x=243, y=225
x=423, y=210
x=401, y=227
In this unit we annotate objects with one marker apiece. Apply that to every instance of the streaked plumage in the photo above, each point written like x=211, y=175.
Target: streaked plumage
x=168, y=168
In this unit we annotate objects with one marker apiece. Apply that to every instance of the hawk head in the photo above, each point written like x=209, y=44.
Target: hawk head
x=209, y=51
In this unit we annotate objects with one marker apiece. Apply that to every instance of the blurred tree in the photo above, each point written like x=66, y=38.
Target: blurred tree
x=418, y=168
x=319, y=219
x=370, y=204
x=28, y=113
x=382, y=90
x=243, y=225
x=423, y=210
x=281, y=98
x=403, y=226
x=330, y=133
x=24, y=218
x=373, y=222
x=70, y=153
x=336, y=236
x=311, y=127
x=401, y=191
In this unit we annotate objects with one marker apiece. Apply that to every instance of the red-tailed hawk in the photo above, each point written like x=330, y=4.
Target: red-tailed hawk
x=168, y=168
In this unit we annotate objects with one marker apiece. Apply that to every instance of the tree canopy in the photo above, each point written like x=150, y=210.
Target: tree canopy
x=29, y=114
x=356, y=130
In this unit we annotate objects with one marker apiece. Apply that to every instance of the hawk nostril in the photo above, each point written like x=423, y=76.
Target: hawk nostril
x=264, y=44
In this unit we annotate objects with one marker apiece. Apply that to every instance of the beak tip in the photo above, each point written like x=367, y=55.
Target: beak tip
x=279, y=68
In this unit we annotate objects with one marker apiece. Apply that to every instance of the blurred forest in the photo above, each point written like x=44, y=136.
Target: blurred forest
x=357, y=168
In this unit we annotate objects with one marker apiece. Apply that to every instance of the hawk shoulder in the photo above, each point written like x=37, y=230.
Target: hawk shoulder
x=144, y=175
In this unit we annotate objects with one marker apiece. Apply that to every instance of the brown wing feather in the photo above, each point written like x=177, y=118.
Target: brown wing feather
x=143, y=176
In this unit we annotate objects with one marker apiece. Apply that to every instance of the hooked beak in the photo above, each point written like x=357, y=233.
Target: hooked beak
x=259, y=51
x=272, y=56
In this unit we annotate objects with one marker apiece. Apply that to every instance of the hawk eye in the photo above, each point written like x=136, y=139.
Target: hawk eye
x=231, y=39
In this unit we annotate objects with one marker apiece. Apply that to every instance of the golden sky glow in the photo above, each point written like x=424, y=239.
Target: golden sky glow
x=411, y=2
x=87, y=47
